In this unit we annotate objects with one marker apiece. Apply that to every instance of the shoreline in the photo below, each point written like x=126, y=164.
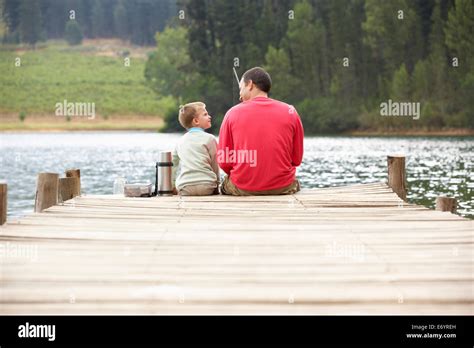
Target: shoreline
x=9, y=123
x=53, y=124
x=157, y=129
x=54, y=131
x=449, y=132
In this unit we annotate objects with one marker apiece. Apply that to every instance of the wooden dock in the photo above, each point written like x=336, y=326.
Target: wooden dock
x=344, y=250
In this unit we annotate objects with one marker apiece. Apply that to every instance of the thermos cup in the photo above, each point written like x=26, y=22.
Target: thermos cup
x=164, y=186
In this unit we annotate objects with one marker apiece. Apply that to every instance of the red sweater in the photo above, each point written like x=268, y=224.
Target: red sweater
x=266, y=137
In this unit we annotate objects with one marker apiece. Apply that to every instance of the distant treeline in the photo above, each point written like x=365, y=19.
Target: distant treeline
x=337, y=61
x=30, y=21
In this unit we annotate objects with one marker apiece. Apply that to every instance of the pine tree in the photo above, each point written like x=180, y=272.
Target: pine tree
x=98, y=19
x=73, y=33
x=346, y=50
x=422, y=81
x=400, y=88
x=278, y=65
x=393, y=32
x=11, y=14
x=168, y=70
x=305, y=41
x=56, y=14
x=460, y=32
x=30, y=21
x=438, y=64
x=121, y=21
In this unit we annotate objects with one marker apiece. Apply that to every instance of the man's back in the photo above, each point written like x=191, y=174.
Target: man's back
x=261, y=144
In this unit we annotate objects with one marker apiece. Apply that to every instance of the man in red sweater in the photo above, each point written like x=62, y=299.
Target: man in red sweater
x=260, y=141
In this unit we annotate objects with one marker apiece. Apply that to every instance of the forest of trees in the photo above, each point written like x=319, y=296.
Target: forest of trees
x=30, y=21
x=336, y=61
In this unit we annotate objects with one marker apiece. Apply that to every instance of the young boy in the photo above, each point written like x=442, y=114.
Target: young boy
x=195, y=154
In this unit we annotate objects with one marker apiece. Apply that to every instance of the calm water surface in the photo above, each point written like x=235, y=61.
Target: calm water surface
x=435, y=166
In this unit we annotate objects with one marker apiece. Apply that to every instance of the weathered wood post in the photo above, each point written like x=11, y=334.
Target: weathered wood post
x=69, y=188
x=46, y=191
x=74, y=173
x=3, y=203
x=397, y=176
x=446, y=204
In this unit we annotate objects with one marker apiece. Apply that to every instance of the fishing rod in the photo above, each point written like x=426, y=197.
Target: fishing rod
x=236, y=76
x=238, y=81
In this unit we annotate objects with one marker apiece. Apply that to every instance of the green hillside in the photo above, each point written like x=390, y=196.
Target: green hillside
x=56, y=72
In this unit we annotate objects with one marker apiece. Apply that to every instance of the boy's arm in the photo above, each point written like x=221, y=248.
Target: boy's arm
x=213, y=154
x=174, y=169
x=225, y=145
x=297, y=154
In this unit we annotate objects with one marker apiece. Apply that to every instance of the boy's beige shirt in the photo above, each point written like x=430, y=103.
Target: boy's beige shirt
x=195, y=160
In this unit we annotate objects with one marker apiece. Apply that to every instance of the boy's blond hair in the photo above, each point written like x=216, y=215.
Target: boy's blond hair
x=188, y=112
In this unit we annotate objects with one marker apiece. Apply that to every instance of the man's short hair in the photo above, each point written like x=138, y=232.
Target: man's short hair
x=259, y=77
x=188, y=112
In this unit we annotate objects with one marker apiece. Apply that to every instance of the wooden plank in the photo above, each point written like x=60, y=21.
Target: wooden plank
x=354, y=249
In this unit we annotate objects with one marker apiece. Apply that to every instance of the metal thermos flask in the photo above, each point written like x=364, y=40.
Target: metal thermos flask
x=164, y=186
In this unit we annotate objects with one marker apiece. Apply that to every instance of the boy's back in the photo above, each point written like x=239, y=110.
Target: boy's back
x=195, y=155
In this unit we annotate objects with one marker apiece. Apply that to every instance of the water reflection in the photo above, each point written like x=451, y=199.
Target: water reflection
x=435, y=166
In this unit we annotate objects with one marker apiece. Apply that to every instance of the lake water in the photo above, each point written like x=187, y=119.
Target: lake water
x=435, y=166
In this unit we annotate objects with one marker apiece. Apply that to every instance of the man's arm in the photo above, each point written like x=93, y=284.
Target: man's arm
x=298, y=136
x=225, y=145
x=213, y=154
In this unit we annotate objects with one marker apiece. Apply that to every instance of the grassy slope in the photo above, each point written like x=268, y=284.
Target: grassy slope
x=50, y=75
